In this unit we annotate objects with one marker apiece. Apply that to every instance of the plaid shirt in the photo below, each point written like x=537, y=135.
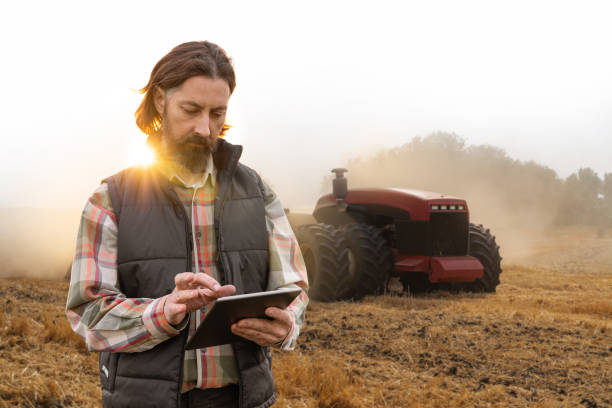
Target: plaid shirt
x=108, y=321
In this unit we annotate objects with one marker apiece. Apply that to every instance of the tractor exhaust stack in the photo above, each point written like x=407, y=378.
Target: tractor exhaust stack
x=340, y=188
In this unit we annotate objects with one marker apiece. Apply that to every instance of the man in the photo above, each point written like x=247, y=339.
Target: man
x=156, y=245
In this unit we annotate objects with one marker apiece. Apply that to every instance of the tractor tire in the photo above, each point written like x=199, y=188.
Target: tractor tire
x=325, y=257
x=370, y=262
x=485, y=249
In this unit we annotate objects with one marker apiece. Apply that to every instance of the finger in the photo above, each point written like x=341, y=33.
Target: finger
x=206, y=281
x=254, y=323
x=183, y=280
x=278, y=314
x=210, y=295
x=263, y=339
x=267, y=327
x=226, y=290
x=206, y=296
x=281, y=316
x=184, y=296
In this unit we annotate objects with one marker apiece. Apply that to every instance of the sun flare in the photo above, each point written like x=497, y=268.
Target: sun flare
x=142, y=156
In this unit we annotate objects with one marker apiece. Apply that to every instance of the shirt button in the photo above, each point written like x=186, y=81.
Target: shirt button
x=199, y=234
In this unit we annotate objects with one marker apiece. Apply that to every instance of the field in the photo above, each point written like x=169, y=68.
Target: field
x=543, y=340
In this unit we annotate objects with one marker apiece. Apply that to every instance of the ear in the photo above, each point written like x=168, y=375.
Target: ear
x=159, y=99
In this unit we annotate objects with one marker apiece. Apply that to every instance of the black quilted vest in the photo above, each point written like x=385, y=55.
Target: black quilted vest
x=155, y=244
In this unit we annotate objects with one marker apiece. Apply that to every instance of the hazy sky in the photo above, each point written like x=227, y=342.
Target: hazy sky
x=317, y=83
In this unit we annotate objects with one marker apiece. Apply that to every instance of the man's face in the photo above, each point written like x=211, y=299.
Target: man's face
x=192, y=119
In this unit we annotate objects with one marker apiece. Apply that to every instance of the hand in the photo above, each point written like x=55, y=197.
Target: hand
x=192, y=291
x=263, y=331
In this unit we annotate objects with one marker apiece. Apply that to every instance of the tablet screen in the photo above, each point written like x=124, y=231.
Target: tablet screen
x=215, y=327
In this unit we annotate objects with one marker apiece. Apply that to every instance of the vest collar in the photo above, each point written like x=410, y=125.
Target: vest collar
x=226, y=155
x=172, y=169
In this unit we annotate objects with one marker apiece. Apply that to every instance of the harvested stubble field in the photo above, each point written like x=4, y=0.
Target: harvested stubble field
x=543, y=340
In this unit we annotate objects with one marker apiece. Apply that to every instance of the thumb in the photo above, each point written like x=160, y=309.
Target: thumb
x=177, y=308
x=171, y=309
x=274, y=312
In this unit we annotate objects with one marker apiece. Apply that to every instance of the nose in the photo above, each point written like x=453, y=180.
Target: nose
x=202, y=126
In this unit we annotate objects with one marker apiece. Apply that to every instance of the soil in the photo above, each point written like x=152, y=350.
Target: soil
x=543, y=340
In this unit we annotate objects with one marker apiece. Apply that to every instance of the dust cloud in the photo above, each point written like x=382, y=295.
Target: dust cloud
x=37, y=243
x=521, y=202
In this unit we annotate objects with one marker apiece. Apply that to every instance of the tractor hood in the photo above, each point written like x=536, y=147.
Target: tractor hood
x=396, y=202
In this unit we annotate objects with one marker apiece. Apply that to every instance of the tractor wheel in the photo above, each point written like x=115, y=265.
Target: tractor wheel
x=485, y=249
x=370, y=261
x=325, y=257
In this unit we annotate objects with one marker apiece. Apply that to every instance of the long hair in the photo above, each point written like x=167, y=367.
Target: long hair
x=181, y=63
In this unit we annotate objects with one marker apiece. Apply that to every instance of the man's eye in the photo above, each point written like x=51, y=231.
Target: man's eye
x=190, y=111
x=218, y=115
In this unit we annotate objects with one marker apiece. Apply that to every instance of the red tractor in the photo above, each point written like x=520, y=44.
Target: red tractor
x=361, y=238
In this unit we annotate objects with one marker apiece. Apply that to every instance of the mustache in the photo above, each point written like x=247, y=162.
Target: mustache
x=197, y=140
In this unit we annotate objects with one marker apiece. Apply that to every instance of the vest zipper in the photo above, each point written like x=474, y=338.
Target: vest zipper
x=193, y=242
x=181, y=213
x=192, y=232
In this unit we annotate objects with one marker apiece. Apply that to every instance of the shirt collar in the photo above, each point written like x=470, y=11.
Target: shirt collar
x=171, y=169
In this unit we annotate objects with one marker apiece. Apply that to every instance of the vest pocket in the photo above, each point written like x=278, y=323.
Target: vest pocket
x=108, y=369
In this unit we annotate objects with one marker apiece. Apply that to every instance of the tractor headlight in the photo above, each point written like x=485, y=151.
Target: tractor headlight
x=442, y=207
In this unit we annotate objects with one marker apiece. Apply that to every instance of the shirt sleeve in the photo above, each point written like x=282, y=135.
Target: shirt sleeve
x=287, y=268
x=96, y=308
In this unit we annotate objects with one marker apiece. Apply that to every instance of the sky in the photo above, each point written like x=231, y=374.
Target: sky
x=317, y=84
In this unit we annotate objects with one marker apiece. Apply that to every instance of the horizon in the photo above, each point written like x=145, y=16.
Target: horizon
x=360, y=157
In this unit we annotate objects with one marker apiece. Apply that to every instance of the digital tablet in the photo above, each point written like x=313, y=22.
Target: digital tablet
x=215, y=327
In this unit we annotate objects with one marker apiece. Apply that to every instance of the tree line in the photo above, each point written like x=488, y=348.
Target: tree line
x=498, y=188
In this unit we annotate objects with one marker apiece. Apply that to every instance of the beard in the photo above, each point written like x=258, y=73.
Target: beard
x=192, y=152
